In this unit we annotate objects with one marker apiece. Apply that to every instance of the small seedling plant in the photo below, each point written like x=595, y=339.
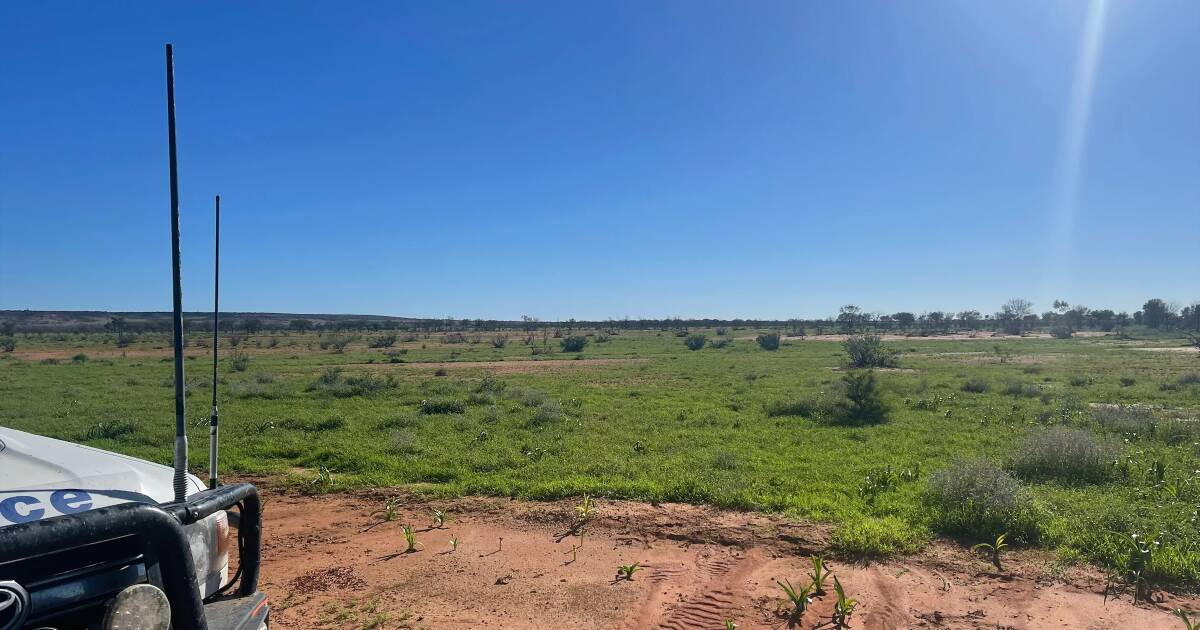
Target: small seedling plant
x=439, y=518
x=729, y=625
x=800, y=599
x=390, y=511
x=586, y=509
x=1188, y=624
x=843, y=607
x=994, y=549
x=819, y=575
x=626, y=571
x=454, y=544
x=410, y=538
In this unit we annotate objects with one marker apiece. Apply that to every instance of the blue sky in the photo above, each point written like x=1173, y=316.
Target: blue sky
x=593, y=160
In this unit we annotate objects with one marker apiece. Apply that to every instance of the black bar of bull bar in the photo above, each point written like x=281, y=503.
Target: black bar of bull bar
x=161, y=527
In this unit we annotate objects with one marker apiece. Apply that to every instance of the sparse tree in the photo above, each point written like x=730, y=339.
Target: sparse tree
x=1155, y=313
x=970, y=319
x=1012, y=315
x=849, y=316
x=251, y=325
x=904, y=319
x=300, y=325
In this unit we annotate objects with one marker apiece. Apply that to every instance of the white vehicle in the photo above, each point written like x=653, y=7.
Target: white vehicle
x=97, y=540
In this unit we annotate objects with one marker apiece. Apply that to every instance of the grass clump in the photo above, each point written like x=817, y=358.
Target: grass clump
x=871, y=537
x=239, y=361
x=1063, y=454
x=695, y=341
x=331, y=382
x=110, y=429
x=868, y=351
x=979, y=499
x=811, y=407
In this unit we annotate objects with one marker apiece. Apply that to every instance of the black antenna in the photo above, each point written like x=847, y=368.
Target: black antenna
x=181, y=443
x=214, y=420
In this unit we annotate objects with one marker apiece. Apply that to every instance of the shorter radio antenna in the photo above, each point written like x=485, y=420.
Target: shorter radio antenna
x=215, y=419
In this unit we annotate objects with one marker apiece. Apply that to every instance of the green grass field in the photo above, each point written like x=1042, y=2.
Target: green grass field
x=656, y=421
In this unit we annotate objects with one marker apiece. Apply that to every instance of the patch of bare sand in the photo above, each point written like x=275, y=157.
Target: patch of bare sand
x=518, y=366
x=1191, y=349
x=700, y=566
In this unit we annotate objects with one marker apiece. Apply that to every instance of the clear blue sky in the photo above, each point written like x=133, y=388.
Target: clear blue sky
x=592, y=160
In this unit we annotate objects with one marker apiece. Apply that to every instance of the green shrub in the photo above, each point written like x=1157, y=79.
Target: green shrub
x=725, y=460
x=1080, y=381
x=7, y=344
x=979, y=499
x=1020, y=389
x=861, y=402
x=1127, y=381
x=1189, y=378
x=499, y=341
x=1063, y=454
x=441, y=405
x=719, y=343
x=768, y=341
x=79, y=358
x=975, y=386
x=695, y=341
x=868, y=351
x=1062, y=332
x=239, y=361
x=386, y=341
x=574, y=343
x=548, y=413
x=332, y=382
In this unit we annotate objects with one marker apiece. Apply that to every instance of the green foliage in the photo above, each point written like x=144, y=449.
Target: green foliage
x=800, y=598
x=8, y=344
x=626, y=571
x=441, y=405
x=994, y=549
x=975, y=386
x=574, y=343
x=868, y=351
x=111, y=429
x=384, y=341
x=410, y=539
x=768, y=341
x=862, y=402
x=843, y=607
x=695, y=341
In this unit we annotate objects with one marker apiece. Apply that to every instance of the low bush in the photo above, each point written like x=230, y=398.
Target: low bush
x=332, y=382
x=79, y=358
x=695, y=341
x=868, y=351
x=719, y=343
x=574, y=343
x=1189, y=378
x=1128, y=381
x=725, y=460
x=1129, y=421
x=549, y=412
x=386, y=341
x=499, y=341
x=975, y=386
x=768, y=341
x=979, y=499
x=1080, y=381
x=1063, y=454
x=7, y=344
x=1021, y=389
x=238, y=361
x=1062, y=332
x=861, y=402
x=441, y=405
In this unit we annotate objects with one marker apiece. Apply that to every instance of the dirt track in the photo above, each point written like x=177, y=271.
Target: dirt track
x=328, y=566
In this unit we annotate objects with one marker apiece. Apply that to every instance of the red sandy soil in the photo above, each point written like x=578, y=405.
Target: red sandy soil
x=330, y=564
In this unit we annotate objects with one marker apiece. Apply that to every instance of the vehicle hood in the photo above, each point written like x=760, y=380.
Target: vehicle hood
x=35, y=471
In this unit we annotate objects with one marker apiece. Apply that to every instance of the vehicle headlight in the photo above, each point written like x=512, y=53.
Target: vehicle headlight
x=208, y=539
x=139, y=607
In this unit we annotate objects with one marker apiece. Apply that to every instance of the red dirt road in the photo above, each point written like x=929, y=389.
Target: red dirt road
x=328, y=566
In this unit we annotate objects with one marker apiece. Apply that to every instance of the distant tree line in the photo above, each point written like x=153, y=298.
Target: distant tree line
x=1016, y=316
